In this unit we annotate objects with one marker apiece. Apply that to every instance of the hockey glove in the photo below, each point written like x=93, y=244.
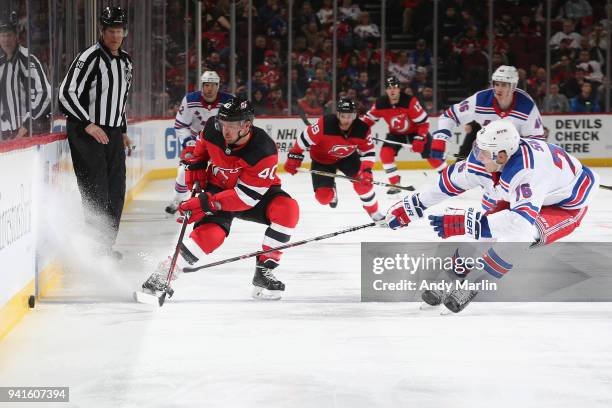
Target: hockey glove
x=438, y=147
x=197, y=208
x=456, y=221
x=403, y=212
x=418, y=143
x=365, y=176
x=188, y=146
x=294, y=160
x=195, y=172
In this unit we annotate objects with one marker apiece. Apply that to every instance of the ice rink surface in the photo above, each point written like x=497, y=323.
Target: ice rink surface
x=211, y=345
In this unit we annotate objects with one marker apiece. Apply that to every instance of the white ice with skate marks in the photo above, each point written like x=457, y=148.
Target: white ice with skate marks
x=212, y=345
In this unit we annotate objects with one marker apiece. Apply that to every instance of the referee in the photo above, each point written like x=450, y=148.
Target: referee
x=93, y=96
x=24, y=89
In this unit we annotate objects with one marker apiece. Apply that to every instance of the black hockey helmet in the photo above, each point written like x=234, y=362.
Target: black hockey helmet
x=236, y=110
x=346, y=105
x=9, y=23
x=113, y=17
x=392, y=82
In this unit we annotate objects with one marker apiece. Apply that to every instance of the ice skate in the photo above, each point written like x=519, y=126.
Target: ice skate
x=265, y=284
x=432, y=299
x=155, y=286
x=172, y=208
x=458, y=299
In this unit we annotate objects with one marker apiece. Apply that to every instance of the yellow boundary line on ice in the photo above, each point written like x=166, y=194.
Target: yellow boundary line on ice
x=50, y=277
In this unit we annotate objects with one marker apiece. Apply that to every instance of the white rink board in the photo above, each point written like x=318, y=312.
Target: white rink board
x=18, y=202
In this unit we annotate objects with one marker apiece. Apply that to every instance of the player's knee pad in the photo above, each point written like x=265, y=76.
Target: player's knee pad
x=387, y=154
x=324, y=195
x=361, y=189
x=208, y=237
x=284, y=210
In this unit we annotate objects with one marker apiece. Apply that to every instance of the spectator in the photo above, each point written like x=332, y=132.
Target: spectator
x=579, y=10
x=564, y=49
x=555, y=101
x=326, y=13
x=402, y=69
x=591, y=67
x=307, y=17
x=349, y=11
x=536, y=85
x=528, y=28
x=363, y=88
x=309, y=104
x=450, y=25
x=277, y=25
x=352, y=69
x=409, y=7
x=572, y=86
x=321, y=86
x=259, y=50
x=275, y=103
x=258, y=82
x=598, y=38
x=504, y=26
x=498, y=60
x=522, y=82
x=421, y=56
x=270, y=70
x=420, y=81
x=268, y=11
x=214, y=63
x=426, y=100
x=366, y=30
x=584, y=102
x=259, y=103
x=567, y=33
x=562, y=70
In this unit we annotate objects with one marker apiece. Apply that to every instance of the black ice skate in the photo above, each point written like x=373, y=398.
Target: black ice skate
x=172, y=208
x=458, y=299
x=265, y=284
x=155, y=288
x=433, y=297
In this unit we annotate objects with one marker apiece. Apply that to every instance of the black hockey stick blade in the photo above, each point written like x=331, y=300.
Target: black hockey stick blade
x=189, y=269
x=604, y=187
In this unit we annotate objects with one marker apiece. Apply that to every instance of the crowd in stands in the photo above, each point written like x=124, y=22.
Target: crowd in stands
x=578, y=45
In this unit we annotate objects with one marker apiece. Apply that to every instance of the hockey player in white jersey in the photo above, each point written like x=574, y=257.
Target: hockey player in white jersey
x=196, y=108
x=536, y=193
x=502, y=101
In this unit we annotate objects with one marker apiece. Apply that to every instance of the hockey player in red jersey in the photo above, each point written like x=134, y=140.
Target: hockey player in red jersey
x=339, y=142
x=235, y=164
x=407, y=122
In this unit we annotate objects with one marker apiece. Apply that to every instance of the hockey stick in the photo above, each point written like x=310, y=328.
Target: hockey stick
x=342, y=176
x=168, y=291
x=189, y=269
x=605, y=187
x=392, y=142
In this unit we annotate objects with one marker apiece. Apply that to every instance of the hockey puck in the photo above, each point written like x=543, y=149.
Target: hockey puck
x=31, y=301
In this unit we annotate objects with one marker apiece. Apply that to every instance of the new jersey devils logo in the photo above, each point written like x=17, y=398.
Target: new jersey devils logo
x=341, y=150
x=399, y=123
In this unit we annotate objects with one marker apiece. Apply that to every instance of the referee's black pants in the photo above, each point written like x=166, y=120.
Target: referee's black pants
x=100, y=174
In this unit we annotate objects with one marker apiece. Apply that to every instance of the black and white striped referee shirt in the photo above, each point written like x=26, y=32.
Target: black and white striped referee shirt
x=96, y=87
x=20, y=101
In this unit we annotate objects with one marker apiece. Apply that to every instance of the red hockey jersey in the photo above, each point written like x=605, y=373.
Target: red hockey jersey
x=404, y=118
x=245, y=173
x=329, y=144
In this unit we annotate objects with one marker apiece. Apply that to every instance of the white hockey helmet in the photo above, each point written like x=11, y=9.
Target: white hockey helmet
x=506, y=73
x=210, y=76
x=497, y=136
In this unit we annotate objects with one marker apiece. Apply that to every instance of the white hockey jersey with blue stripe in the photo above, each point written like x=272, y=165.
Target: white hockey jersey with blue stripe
x=194, y=112
x=482, y=107
x=538, y=174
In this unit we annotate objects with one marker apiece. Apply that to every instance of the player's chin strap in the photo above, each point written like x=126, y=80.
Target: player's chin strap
x=240, y=136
